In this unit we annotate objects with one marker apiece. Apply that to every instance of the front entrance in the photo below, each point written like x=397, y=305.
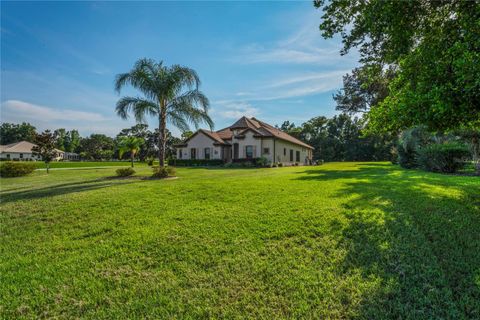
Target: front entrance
x=235, y=151
x=193, y=153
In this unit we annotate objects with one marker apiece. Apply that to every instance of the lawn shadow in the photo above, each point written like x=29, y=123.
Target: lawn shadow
x=61, y=189
x=416, y=234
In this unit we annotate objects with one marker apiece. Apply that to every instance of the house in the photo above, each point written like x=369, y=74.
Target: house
x=247, y=138
x=22, y=151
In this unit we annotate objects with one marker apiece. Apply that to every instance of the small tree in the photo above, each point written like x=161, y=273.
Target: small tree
x=130, y=144
x=45, y=147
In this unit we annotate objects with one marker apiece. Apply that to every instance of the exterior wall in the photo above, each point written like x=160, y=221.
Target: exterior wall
x=26, y=156
x=248, y=140
x=200, y=141
x=18, y=156
x=284, y=157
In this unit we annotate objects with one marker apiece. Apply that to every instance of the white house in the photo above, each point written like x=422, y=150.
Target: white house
x=248, y=138
x=22, y=151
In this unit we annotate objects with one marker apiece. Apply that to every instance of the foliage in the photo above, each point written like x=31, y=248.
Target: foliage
x=443, y=157
x=262, y=162
x=195, y=163
x=170, y=93
x=131, y=145
x=11, y=133
x=97, y=147
x=67, y=141
x=163, y=172
x=16, y=169
x=409, y=143
x=45, y=147
x=125, y=172
x=365, y=87
x=435, y=47
x=341, y=139
x=370, y=240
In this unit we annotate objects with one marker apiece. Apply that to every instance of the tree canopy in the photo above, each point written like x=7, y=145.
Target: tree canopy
x=434, y=47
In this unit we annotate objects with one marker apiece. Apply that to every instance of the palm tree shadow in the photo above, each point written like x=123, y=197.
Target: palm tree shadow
x=414, y=236
x=60, y=189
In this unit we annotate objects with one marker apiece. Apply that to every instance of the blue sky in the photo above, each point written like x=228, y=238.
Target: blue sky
x=268, y=59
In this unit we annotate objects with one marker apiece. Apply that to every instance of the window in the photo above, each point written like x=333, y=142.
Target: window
x=207, y=153
x=193, y=153
x=284, y=151
x=8, y=155
x=179, y=153
x=291, y=155
x=21, y=155
x=249, y=152
x=266, y=151
x=297, y=156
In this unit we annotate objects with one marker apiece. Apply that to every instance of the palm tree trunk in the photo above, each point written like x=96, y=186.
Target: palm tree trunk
x=162, y=136
x=132, y=156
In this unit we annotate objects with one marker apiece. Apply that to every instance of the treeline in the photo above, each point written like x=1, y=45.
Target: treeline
x=95, y=146
x=341, y=139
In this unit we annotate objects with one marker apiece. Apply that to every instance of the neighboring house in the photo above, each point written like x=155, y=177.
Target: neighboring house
x=248, y=138
x=22, y=151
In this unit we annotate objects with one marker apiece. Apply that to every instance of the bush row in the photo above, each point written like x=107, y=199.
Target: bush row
x=16, y=169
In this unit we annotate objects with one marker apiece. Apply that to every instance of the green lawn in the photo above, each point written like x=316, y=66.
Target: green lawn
x=343, y=240
x=85, y=164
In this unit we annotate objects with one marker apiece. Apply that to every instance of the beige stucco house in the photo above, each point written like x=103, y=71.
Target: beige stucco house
x=247, y=138
x=22, y=151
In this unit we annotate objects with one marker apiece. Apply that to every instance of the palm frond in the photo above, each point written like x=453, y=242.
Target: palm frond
x=138, y=106
x=192, y=107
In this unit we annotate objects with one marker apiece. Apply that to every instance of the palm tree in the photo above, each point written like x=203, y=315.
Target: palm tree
x=169, y=93
x=129, y=144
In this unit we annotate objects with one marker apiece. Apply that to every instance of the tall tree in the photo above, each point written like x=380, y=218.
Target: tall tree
x=72, y=141
x=434, y=44
x=131, y=145
x=96, y=147
x=11, y=132
x=45, y=147
x=171, y=94
x=61, y=135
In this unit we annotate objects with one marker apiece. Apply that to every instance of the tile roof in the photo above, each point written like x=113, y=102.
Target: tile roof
x=259, y=127
x=20, y=147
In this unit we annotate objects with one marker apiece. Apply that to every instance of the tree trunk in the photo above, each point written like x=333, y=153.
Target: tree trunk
x=132, y=155
x=48, y=167
x=162, y=135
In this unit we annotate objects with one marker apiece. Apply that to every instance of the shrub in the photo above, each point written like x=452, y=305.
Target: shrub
x=261, y=162
x=16, y=169
x=150, y=162
x=125, y=172
x=280, y=164
x=447, y=157
x=171, y=171
x=273, y=165
x=163, y=172
x=410, y=141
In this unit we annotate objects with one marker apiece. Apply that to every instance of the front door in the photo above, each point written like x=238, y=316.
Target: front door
x=235, y=151
x=193, y=153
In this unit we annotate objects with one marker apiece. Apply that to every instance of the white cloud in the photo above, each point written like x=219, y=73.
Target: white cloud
x=306, y=46
x=234, y=109
x=30, y=111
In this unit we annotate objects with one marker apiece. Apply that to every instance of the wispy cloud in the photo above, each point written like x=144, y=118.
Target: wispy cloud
x=305, y=46
x=46, y=117
x=33, y=111
x=234, y=109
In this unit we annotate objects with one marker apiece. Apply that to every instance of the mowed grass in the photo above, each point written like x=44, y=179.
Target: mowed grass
x=85, y=164
x=343, y=240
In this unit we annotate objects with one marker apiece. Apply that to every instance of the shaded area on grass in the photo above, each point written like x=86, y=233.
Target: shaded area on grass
x=13, y=195
x=415, y=232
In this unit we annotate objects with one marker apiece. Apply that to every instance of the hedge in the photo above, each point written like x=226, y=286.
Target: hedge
x=446, y=157
x=16, y=169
